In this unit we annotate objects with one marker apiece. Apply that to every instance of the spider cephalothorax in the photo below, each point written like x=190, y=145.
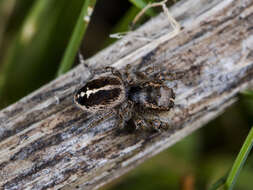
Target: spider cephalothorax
x=152, y=96
x=111, y=90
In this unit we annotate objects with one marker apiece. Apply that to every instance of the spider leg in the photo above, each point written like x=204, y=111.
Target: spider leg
x=100, y=117
x=107, y=69
x=143, y=123
x=124, y=113
x=85, y=65
x=164, y=76
x=126, y=75
x=133, y=75
x=114, y=71
x=82, y=61
x=141, y=76
x=80, y=58
x=159, y=125
x=98, y=71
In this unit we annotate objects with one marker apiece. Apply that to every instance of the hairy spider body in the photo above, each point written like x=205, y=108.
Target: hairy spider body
x=151, y=95
x=101, y=93
x=111, y=90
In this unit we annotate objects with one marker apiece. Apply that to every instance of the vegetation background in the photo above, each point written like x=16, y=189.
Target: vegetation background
x=33, y=37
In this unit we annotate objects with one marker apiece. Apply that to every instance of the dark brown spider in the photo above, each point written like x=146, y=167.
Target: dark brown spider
x=113, y=90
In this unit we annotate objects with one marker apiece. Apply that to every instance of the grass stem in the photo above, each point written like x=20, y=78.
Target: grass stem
x=77, y=36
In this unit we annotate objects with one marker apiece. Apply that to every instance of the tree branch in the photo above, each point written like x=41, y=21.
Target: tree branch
x=44, y=141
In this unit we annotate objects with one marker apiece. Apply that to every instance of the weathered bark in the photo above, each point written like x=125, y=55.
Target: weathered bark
x=44, y=141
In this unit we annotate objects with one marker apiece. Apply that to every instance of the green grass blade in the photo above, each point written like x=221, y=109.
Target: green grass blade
x=239, y=162
x=218, y=183
x=6, y=8
x=36, y=43
x=20, y=41
x=229, y=179
x=77, y=36
x=141, y=4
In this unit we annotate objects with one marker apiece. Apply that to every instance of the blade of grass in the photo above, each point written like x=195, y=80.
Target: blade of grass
x=77, y=36
x=229, y=179
x=239, y=162
x=141, y=4
x=36, y=45
x=6, y=8
x=24, y=35
x=220, y=182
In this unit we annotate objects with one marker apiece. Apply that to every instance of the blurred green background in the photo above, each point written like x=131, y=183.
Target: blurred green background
x=33, y=37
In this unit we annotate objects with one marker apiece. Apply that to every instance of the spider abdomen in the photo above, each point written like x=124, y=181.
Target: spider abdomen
x=101, y=93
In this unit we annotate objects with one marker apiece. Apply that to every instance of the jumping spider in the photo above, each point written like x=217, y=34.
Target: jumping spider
x=112, y=90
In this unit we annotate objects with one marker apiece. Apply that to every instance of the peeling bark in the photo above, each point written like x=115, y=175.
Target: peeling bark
x=44, y=140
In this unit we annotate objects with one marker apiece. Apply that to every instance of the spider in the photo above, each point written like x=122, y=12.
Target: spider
x=111, y=90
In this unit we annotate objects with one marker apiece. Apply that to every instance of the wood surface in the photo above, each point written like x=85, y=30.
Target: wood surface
x=44, y=140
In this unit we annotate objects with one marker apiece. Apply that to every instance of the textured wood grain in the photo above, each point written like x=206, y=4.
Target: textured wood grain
x=44, y=140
